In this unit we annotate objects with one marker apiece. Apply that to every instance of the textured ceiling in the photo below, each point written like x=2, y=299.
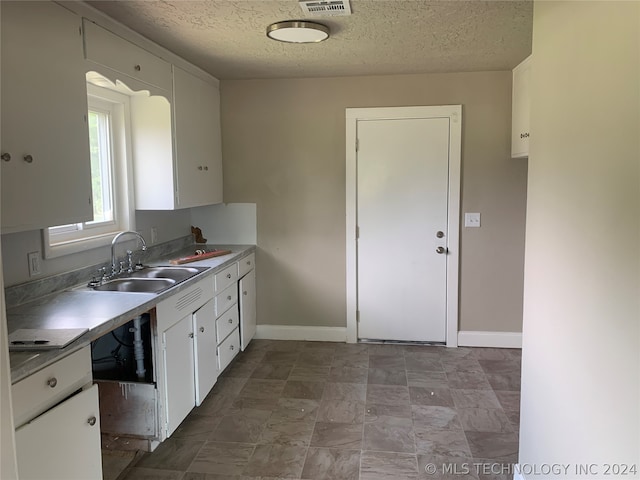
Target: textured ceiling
x=227, y=37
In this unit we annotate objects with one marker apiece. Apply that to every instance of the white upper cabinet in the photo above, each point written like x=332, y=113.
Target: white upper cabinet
x=175, y=127
x=198, y=146
x=105, y=48
x=520, y=110
x=46, y=172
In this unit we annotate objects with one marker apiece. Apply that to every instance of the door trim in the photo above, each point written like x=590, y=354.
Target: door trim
x=454, y=114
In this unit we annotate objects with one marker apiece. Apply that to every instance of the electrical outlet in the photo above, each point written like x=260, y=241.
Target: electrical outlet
x=154, y=235
x=34, y=263
x=472, y=220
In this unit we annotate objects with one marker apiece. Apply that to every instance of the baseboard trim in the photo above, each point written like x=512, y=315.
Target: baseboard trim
x=299, y=332
x=490, y=339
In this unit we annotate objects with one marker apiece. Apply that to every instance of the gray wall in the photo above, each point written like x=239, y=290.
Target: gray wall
x=15, y=246
x=581, y=352
x=284, y=149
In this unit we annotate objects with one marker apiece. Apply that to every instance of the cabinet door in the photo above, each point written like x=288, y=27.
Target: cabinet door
x=179, y=372
x=198, y=152
x=206, y=365
x=64, y=442
x=44, y=108
x=520, y=110
x=247, y=286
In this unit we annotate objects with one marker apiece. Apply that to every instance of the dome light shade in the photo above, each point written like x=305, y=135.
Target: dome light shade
x=298, y=31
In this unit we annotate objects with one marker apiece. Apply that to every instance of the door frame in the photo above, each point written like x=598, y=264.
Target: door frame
x=454, y=114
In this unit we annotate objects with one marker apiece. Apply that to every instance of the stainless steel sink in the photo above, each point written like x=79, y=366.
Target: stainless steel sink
x=137, y=285
x=174, y=273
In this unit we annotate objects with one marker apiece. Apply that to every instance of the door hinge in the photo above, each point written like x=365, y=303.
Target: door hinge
x=357, y=144
x=357, y=316
x=357, y=232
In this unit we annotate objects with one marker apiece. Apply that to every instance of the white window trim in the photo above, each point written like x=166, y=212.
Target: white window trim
x=123, y=184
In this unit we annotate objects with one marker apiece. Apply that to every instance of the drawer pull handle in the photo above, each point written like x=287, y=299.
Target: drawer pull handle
x=6, y=157
x=92, y=421
x=228, y=297
x=28, y=158
x=52, y=382
x=137, y=68
x=231, y=320
x=191, y=335
x=244, y=293
x=228, y=275
x=248, y=262
x=231, y=347
x=201, y=329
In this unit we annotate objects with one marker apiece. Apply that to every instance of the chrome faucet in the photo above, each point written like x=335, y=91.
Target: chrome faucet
x=114, y=268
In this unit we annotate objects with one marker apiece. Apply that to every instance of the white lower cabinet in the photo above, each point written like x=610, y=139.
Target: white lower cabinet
x=206, y=365
x=177, y=355
x=64, y=442
x=58, y=422
x=187, y=370
x=247, y=296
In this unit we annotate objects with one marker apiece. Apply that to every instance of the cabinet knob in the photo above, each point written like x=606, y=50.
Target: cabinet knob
x=28, y=158
x=191, y=335
x=441, y=250
x=229, y=297
x=244, y=293
x=137, y=68
x=206, y=168
x=199, y=167
x=228, y=275
x=231, y=320
x=248, y=262
x=52, y=382
x=92, y=421
x=231, y=347
x=201, y=329
x=6, y=157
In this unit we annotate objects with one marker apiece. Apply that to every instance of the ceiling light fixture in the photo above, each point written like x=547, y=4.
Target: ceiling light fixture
x=298, y=31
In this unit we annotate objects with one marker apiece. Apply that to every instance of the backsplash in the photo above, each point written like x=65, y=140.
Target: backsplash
x=25, y=292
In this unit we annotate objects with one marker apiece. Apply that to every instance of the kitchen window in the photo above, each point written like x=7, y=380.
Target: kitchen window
x=108, y=124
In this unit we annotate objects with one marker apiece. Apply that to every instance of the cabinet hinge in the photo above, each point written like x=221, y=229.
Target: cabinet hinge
x=357, y=232
x=357, y=144
x=357, y=316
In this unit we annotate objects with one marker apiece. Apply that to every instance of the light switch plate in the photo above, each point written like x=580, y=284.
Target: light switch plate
x=472, y=220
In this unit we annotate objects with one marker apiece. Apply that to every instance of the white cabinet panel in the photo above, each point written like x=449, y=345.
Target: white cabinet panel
x=206, y=365
x=198, y=147
x=179, y=372
x=228, y=350
x=227, y=323
x=247, y=287
x=47, y=181
x=225, y=299
x=64, y=442
x=520, y=110
x=226, y=277
x=246, y=264
x=105, y=48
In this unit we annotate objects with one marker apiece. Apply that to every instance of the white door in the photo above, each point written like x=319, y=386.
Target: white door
x=248, y=326
x=206, y=363
x=179, y=372
x=402, y=215
x=64, y=442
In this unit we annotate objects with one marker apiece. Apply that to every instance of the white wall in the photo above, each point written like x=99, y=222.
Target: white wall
x=581, y=345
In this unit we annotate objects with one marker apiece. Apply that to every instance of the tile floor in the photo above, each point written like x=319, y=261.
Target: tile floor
x=309, y=410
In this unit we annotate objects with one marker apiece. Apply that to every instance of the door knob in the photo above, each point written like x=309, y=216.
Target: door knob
x=441, y=250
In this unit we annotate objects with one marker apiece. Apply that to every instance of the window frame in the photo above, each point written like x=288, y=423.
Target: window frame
x=88, y=235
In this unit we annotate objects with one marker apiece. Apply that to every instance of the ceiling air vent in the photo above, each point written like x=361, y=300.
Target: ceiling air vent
x=325, y=8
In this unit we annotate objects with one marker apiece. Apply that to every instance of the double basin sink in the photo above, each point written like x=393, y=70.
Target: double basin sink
x=150, y=279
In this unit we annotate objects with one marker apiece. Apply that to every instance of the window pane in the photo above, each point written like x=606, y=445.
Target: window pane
x=101, y=183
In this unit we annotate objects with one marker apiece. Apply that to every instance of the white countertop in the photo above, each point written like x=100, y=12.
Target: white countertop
x=100, y=312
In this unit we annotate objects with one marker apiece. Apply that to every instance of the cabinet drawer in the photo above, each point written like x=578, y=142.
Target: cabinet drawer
x=246, y=265
x=225, y=299
x=174, y=308
x=228, y=349
x=226, y=277
x=45, y=388
x=227, y=322
x=103, y=47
